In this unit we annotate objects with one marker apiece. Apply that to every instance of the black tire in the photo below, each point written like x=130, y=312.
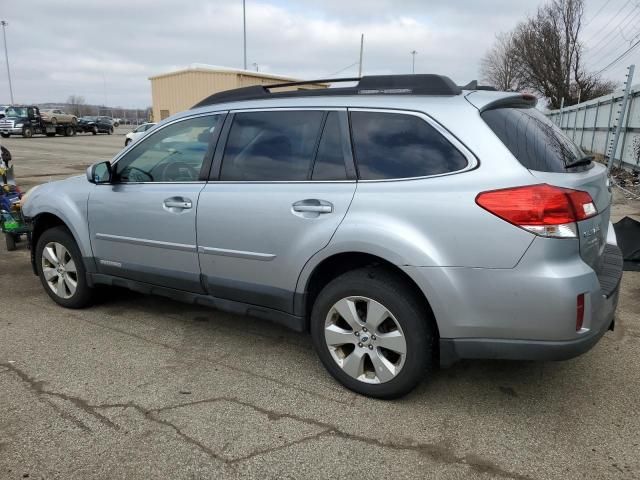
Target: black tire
x=415, y=320
x=10, y=240
x=27, y=132
x=127, y=142
x=94, y=130
x=68, y=131
x=83, y=293
x=110, y=131
x=5, y=135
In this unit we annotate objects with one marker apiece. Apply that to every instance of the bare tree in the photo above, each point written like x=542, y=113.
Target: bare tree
x=547, y=52
x=77, y=105
x=499, y=67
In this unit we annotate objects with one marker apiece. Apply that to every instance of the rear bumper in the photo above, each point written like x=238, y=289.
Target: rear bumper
x=524, y=313
x=454, y=349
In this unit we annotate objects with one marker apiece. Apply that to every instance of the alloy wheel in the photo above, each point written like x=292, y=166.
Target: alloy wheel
x=59, y=270
x=365, y=339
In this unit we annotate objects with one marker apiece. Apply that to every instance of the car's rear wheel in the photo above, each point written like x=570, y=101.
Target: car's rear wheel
x=372, y=333
x=61, y=270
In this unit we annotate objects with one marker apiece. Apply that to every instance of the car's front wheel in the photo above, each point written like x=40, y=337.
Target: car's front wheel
x=61, y=270
x=372, y=333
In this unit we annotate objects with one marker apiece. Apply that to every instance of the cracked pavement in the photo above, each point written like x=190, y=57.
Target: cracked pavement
x=139, y=387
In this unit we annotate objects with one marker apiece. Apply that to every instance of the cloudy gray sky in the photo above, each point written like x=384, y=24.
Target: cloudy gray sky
x=60, y=48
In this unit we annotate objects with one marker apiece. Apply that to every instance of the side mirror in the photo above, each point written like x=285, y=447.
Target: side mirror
x=99, y=173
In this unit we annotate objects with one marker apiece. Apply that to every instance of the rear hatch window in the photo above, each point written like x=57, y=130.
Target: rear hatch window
x=533, y=139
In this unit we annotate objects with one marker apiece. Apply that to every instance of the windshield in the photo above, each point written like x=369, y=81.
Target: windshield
x=16, y=112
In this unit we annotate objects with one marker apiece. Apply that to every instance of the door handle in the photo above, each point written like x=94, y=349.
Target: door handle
x=181, y=203
x=313, y=206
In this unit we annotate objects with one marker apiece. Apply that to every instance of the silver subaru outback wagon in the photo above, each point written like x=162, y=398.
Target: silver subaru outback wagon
x=405, y=222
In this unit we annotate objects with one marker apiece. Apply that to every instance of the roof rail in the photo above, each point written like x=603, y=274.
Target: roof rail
x=419, y=84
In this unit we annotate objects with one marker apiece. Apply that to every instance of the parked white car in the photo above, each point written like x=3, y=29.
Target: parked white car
x=137, y=133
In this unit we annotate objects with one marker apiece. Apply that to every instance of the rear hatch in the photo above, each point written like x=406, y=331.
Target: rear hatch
x=540, y=146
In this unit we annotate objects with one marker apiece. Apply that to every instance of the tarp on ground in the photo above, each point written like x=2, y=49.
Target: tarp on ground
x=628, y=235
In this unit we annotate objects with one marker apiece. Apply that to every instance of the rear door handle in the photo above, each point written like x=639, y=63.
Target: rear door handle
x=313, y=205
x=313, y=208
x=180, y=203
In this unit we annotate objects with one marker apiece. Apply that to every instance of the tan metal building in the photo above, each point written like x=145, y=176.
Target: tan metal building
x=180, y=90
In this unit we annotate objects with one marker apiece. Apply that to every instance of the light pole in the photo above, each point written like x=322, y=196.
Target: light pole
x=413, y=61
x=6, y=56
x=244, y=33
x=257, y=66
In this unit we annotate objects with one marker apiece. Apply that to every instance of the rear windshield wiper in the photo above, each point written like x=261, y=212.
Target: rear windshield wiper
x=586, y=160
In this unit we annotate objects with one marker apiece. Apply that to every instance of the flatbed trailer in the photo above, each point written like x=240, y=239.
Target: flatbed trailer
x=27, y=121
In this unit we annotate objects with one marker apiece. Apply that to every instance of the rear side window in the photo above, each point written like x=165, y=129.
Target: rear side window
x=395, y=145
x=271, y=146
x=330, y=159
x=532, y=138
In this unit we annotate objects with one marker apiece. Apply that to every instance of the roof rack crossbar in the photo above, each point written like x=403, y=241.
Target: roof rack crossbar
x=311, y=82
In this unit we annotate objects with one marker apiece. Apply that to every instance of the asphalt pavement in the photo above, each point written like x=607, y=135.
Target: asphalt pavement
x=144, y=387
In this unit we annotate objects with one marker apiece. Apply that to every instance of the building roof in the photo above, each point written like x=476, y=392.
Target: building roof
x=201, y=67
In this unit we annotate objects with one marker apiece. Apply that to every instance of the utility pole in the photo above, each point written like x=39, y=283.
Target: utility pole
x=361, y=48
x=413, y=62
x=257, y=66
x=244, y=32
x=6, y=57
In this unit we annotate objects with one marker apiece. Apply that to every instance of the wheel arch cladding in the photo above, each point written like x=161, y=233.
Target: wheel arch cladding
x=340, y=263
x=46, y=220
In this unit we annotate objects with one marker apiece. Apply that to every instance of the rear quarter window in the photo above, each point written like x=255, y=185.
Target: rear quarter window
x=535, y=141
x=396, y=145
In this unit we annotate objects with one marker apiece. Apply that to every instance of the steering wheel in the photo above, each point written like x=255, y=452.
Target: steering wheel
x=136, y=174
x=179, y=171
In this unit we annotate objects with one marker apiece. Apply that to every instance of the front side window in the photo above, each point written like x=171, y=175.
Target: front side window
x=395, y=145
x=271, y=146
x=173, y=154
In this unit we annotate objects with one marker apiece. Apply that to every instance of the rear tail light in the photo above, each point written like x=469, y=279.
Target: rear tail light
x=580, y=312
x=541, y=209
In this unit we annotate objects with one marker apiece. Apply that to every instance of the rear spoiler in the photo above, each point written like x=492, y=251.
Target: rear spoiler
x=525, y=100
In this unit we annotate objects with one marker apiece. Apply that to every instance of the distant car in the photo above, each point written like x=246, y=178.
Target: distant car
x=55, y=116
x=95, y=125
x=137, y=133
